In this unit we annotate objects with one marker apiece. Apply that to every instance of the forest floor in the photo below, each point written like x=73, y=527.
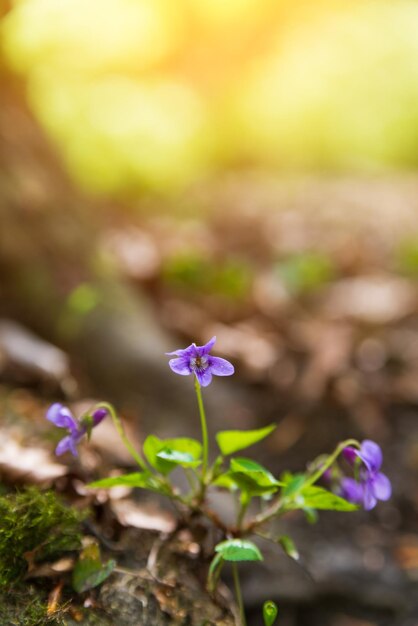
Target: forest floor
x=311, y=289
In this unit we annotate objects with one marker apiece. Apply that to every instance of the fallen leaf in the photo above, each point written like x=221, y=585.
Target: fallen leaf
x=379, y=299
x=27, y=462
x=143, y=516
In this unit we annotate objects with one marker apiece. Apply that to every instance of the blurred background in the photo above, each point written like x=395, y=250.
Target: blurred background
x=239, y=168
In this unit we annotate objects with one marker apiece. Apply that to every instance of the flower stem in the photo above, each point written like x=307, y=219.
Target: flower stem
x=238, y=594
x=205, y=439
x=121, y=431
x=311, y=480
x=242, y=511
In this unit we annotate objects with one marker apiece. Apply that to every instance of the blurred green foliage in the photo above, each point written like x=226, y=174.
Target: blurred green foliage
x=406, y=257
x=305, y=272
x=192, y=272
x=151, y=94
x=83, y=299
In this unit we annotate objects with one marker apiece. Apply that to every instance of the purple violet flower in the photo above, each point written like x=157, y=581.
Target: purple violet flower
x=373, y=485
x=62, y=417
x=197, y=360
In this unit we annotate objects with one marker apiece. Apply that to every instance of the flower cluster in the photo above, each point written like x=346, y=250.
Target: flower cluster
x=197, y=360
x=62, y=417
x=372, y=485
x=159, y=457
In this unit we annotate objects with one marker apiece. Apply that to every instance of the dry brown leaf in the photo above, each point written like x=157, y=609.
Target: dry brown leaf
x=143, y=516
x=32, y=354
x=135, y=251
x=375, y=299
x=28, y=463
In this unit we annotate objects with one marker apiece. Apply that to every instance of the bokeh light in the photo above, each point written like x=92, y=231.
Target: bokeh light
x=151, y=94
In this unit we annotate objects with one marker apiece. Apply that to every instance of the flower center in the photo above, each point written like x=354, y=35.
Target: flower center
x=199, y=363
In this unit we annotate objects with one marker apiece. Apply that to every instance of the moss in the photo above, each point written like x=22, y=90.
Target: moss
x=27, y=607
x=37, y=523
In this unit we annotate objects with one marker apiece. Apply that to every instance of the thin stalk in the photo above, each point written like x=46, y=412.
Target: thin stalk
x=311, y=480
x=242, y=511
x=205, y=439
x=276, y=507
x=121, y=431
x=238, y=594
x=191, y=479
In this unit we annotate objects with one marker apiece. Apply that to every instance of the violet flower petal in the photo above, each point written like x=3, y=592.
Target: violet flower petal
x=382, y=487
x=73, y=444
x=369, y=498
x=177, y=352
x=64, y=445
x=203, y=350
x=220, y=367
x=180, y=366
x=204, y=377
x=352, y=491
x=61, y=417
x=371, y=455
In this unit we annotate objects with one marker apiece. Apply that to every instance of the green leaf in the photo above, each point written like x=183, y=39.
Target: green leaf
x=289, y=547
x=144, y=480
x=292, y=483
x=89, y=570
x=230, y=441
x=165, y=455
x=152, y=446
x=321, y=499
x=225, y=481
x=252, y=477
x=238, y=550
x=269, y=613
x=178, y=458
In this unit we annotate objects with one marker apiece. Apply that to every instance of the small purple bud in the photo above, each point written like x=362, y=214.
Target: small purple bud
x=327, y=476
x=99, y=415
x=350, y=454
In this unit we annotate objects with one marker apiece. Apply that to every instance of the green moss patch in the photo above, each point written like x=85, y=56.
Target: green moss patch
x=35, y=526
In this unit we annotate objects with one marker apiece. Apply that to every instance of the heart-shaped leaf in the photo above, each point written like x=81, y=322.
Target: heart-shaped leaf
x=321, y=499
x=166, y=454
x=144, y=480
x=238, y=550
x=292, y=483
x=185, y=459
x=252, y=477
x=89, y=570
